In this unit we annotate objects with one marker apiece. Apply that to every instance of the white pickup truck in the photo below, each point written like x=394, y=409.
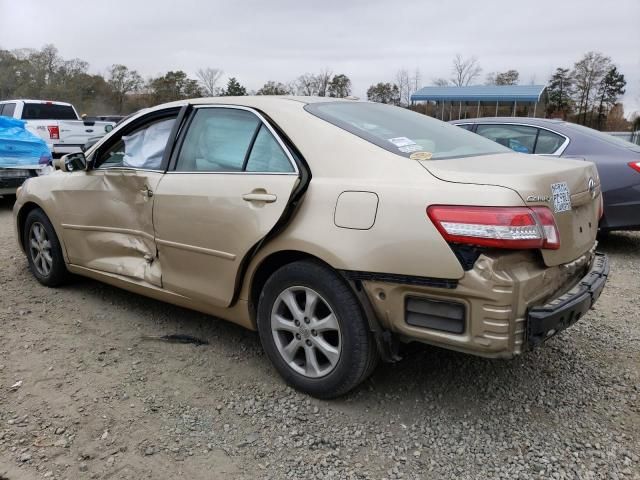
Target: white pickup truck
x=57, y=123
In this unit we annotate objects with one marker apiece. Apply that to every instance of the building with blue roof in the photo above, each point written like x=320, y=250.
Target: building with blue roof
x=453, y=103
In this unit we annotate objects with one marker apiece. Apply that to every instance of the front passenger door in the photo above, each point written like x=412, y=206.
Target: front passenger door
x=230, y=184
x=107, y=211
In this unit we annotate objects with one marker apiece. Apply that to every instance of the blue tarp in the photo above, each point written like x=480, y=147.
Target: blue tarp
x=19, y=147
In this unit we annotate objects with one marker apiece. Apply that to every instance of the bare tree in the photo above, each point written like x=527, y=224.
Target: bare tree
x=587, y=73
x=440, y=82
x=123, y=81
x=307, y=84
x=510, y=77
x=407, y=84
x=465, y=71
x=323, y=79
x=208, y=80
x=404, y=86
x=416, y=80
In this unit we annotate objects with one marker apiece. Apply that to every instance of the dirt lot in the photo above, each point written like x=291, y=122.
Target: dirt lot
x=99, y=399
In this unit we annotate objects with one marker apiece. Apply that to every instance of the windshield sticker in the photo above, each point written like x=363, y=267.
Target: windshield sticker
x=410, y=148
x=421, y=156
x=402, y=141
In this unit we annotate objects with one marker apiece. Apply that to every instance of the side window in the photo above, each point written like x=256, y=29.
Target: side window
x=548, y=142
x=8, y=109
x=267, y=155
x=517, y=137
x=142, y=148
x=218, y=140
x=466, y=126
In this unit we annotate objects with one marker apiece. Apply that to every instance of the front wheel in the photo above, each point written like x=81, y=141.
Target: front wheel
x=43, y=250
x=313, y=330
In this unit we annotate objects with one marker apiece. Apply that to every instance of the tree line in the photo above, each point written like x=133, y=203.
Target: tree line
x=586, y=93
x=32, y=73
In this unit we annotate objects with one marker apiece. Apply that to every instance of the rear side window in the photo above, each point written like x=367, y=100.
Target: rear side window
x=548, y=142
x=267, y=155
x=466, y=126
x=516, y=137
x=7, y=109
x=48, y=111
x=402, y=131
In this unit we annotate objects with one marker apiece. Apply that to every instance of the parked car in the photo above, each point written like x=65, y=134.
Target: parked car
x=22, y=155
x=618, y=161
x=57, y=123
x=335, y=228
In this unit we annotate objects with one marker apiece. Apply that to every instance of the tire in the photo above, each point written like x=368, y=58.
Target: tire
x=292, y=343
x=45, y=256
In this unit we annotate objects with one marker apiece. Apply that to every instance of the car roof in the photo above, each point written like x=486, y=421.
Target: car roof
x=253, y=101
x=29, y=100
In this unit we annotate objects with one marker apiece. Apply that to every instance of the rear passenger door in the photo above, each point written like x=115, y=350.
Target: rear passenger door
x=228, y=184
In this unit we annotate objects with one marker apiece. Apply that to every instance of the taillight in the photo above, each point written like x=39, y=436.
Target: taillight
x=497, y=227
x=600, y=207
x=54, y=132
x=635, y=166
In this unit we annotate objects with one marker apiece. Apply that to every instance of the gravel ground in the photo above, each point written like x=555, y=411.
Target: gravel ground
x=85, y=393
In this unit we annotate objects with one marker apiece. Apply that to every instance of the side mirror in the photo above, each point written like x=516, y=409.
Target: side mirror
x=72, y=162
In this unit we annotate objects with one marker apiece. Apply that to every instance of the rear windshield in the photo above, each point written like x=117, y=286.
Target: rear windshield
x=48, y=111
x=605, y=137
x=404, y=132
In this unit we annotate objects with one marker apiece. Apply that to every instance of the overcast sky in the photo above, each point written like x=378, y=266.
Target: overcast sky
x=367, y=40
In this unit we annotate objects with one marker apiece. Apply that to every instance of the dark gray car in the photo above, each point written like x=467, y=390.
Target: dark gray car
x=618, y=161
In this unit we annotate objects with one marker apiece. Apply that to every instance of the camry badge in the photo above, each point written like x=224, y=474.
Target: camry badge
x=538, y=198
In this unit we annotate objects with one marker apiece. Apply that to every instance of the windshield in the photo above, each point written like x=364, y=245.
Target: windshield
x=404, y=132
x=605, y=137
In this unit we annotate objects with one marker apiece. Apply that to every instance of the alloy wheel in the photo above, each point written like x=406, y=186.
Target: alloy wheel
x=40, y=249
x=306, y=332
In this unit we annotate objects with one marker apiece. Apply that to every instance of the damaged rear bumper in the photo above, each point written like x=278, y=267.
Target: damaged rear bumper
x=546, y=320
x=498, y=309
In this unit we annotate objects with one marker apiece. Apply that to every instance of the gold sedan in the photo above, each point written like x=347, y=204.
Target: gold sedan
x=336, y=228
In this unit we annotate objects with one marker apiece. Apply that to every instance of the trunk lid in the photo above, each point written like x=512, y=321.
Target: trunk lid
x=532, y=177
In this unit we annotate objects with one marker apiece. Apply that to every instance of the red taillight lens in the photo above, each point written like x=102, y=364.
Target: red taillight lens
x=54, y=132
x=635, y=166
x=498, y=227
x=600, y=207
x=549, y=227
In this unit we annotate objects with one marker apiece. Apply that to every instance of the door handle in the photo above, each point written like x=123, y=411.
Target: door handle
x=259, y=197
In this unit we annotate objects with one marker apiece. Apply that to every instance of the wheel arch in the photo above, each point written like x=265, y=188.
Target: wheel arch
x=21, y=218
x=267, y=266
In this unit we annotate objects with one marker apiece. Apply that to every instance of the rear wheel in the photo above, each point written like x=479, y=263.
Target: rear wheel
x=43, y=250
x=313, y=330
